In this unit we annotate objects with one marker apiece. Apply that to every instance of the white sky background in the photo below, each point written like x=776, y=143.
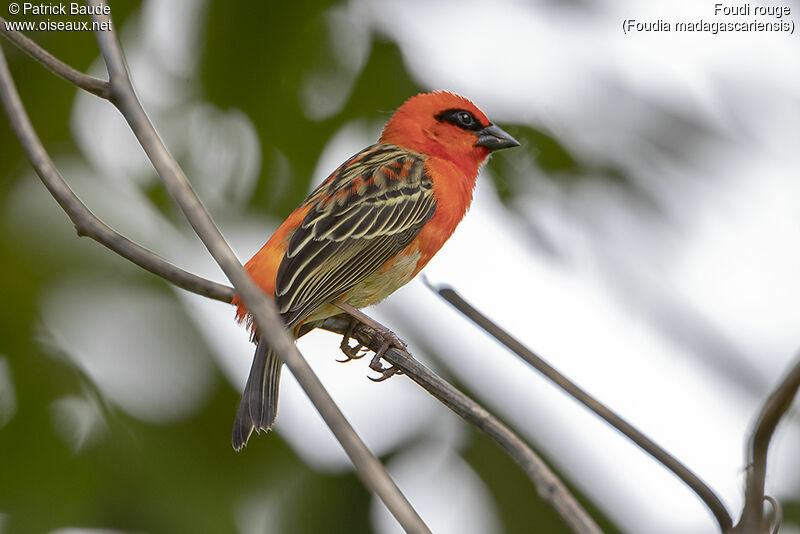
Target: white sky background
x=637, y=308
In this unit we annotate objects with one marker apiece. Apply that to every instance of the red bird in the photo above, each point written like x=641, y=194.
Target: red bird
x=368, y=229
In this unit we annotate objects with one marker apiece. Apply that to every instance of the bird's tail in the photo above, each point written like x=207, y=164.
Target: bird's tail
x=259, y=404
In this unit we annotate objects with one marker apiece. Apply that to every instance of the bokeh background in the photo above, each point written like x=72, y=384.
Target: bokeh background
x=644, y=239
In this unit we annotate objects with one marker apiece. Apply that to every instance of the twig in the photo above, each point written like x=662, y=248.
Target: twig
x=547, y=484
x=86, y=223
x=123, y=96
x=93, y=85
x=700, y=488
x=775, y=407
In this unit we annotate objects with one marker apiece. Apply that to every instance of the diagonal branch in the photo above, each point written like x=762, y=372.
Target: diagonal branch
x=86, y=223
x=123, y=96
x=88, y=83
x=700, y=488
x=775, y=407
x=547, y=484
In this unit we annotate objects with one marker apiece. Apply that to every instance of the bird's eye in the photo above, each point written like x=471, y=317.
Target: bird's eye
x=461, y=118
x=465, y=118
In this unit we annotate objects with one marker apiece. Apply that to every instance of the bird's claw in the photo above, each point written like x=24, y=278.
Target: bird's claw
x=351, y=353
x=386, y=373
x=375, y=364
x=350, y=357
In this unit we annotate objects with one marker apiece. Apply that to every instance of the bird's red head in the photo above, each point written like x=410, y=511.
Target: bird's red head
x=448, y=126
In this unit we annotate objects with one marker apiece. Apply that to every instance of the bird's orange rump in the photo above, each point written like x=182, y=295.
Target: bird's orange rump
x=263, y=266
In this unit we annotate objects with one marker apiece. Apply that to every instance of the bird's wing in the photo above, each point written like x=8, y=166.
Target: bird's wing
x=367, y=211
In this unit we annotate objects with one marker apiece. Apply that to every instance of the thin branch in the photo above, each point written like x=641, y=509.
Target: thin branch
x=93, y=85
x=547, y=484
x=700, y=488
x=262, y=308
x=775, y=407
x=86, y=223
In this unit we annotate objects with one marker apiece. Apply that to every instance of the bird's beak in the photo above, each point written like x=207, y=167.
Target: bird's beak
x=494, y=138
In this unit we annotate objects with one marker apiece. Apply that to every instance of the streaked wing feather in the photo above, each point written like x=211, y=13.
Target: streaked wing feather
x=344, y=276
x=370, y=209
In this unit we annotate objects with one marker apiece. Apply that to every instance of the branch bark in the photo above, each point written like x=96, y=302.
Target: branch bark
x=773, y=410
x=700, y=488
x=547, y=484
x=93, y=85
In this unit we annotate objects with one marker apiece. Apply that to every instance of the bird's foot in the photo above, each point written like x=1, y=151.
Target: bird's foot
x=388, y=340
x=351, y=353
